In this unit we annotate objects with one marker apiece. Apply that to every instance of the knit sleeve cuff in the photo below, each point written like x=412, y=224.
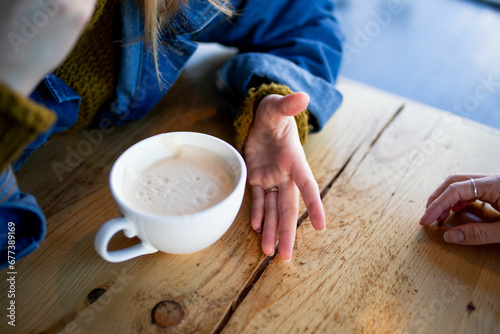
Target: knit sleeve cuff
x=21, y=121
x=244, y=118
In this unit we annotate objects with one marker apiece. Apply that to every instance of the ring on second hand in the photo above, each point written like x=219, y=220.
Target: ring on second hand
x=474, y=188
x=273, y=189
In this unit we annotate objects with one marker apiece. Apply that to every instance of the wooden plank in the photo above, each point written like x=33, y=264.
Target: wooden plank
x=364, y=113
x=62, y=273
x=375, y=269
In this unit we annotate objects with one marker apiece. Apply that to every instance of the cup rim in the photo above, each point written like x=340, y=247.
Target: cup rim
x=241, y=181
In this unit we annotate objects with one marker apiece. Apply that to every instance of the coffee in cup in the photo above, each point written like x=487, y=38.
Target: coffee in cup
x=178, y=192
x=192, y=179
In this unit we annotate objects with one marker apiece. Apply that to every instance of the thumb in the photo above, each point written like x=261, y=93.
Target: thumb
x=474, y=234
x=293, y=104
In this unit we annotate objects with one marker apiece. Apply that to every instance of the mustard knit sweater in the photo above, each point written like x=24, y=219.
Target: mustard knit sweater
x=91, y=71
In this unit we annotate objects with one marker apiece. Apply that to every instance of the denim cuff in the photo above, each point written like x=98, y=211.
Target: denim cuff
x=21, y=218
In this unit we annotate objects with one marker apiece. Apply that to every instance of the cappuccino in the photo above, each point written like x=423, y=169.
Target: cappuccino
x=191, y=180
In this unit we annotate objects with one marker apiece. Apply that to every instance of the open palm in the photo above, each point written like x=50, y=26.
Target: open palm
x=275, y=159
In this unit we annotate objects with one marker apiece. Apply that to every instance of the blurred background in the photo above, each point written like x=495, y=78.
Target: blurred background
x=445, y=53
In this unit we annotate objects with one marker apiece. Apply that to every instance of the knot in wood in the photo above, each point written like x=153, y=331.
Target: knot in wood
x=167, y=314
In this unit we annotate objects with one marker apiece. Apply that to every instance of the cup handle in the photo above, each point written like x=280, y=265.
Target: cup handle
x=108, y=230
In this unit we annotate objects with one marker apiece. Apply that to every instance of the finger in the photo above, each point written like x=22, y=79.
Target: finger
x=288, y=203
x=270, y=223
x=459, y=206
x=474, y=234
x=488, y=189
x=454, y=193
x=293, y=104
x=450, y=180
x=443, y=216
x=258, y=198
x=308, y=187
x=278, y=109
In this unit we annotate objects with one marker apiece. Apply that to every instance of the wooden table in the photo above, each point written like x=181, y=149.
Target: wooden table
x=374, y=270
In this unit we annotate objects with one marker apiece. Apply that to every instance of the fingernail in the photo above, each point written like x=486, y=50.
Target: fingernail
x=257, y=231
x=454, y=236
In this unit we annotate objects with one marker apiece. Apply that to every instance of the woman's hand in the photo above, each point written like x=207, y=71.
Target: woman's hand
x=454, y=194
x=275, y=159
x=36, y=37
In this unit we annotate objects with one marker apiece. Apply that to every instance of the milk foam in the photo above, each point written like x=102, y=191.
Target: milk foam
x=193, y=179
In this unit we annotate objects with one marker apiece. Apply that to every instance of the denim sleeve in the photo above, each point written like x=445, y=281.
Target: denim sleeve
x=296, y=43
x=20, y=217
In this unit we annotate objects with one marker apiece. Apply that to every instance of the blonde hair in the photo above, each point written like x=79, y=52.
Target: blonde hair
x=157, y=14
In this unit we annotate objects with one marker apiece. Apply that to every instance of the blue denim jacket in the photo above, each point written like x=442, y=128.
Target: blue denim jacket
x=296, y=43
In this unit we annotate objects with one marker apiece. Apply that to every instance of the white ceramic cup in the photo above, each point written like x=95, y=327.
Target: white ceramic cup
x=171, y=234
